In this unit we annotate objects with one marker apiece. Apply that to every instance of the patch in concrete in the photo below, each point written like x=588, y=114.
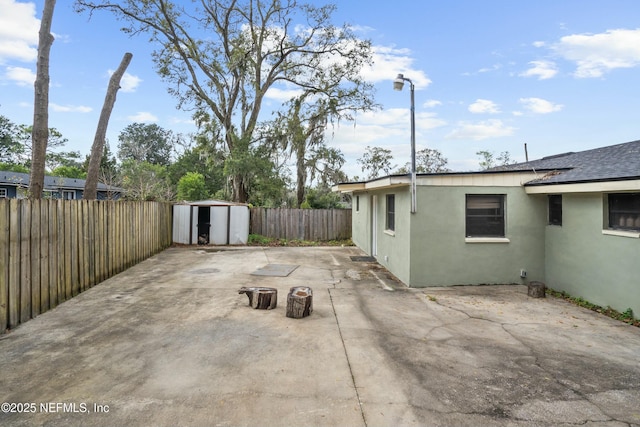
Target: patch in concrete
x=363, y=259
x=275, y=270
x=205, y=271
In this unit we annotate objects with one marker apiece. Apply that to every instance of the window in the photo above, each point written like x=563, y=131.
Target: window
x=68, y=194
x=3, y=193
x=485, y=215
x=390, y=223
x=555, y=209
x=357, y=203
x=624, y=211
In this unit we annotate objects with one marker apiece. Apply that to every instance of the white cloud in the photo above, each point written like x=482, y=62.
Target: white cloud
x=70, y=108
x=431, y=103
x=282, y=95
x=18, y=31
x=481, y=130
x=541, y=69
x=128, y=82
x=143, y=117
x=389, y=61
x=494, y=67
x=539, y=44
x=21, y=76
x=597, y=54
x=484, y=106
x=540, y=106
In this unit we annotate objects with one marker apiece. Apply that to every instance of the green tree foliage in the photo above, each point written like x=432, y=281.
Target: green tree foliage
x=376, y=161
x=192, y=187
x=108, y=162
x=12, y=167
x=202, y=155
x=325, y=164
x=322, y=198
x=69, y=159
x=11, y=150
x=488, y=159
x=146, y=143
x=145, y=181
x=428, y=160
x=221, y=57
x=24, y=137
x=69, y=172
x=264, y=179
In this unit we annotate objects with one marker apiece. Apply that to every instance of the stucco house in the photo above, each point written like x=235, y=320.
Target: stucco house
x=571, y=221
x=15, y=185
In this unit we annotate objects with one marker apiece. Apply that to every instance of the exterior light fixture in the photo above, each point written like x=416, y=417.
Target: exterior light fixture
x=398, y=84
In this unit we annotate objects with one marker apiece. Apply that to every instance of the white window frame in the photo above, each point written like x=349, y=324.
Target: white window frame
x=479, y=238
x=390, y=226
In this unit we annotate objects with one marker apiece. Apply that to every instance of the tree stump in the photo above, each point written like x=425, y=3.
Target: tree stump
x=536, y=290
x=299, y=302
x=261, y=298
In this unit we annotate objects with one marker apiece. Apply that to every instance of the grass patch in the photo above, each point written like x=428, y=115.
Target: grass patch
x=625, y=316
x=259, y=240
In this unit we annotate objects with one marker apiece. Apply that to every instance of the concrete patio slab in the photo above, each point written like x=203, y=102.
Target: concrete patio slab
x=171, y=342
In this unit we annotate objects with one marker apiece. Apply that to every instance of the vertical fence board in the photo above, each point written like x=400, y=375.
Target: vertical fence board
x=44, y=255
x=68, y=264
x=14, y=263
x=100, y=245
x=90, y=243
x=34, y=264
x=62, y=252
x=4, y=264
x=81, y=247
x=75, y=249
x=25, y=260
x=53, y=253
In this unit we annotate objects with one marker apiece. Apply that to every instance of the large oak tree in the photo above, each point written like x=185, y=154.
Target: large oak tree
x=220, y=57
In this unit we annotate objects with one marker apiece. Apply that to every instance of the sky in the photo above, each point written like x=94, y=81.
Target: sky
x=494, y=75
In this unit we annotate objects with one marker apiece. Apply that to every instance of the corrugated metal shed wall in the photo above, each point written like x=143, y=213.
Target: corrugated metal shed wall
x=229, y=223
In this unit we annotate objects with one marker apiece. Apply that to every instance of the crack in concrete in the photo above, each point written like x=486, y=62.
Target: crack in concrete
x=504, y=326
x=346, y=354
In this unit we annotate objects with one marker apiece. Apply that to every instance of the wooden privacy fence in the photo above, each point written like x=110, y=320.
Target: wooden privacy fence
x=301, y=224
x=51, y=250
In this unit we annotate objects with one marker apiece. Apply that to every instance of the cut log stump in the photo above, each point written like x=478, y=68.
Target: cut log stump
x=299, y=302
x=261, y=298
x=536, y=290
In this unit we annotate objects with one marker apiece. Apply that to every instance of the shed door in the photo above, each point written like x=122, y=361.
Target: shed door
x=201, y=225
x=219, y=224
x=181, y=224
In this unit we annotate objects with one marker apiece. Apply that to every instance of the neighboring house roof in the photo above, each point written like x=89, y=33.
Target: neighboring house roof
x=50, y=182
x=613, y=163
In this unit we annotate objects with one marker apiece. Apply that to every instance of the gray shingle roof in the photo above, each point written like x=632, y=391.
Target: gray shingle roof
x=612, y=163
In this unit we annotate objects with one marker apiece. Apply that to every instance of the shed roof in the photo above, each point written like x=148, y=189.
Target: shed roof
x=212, y=202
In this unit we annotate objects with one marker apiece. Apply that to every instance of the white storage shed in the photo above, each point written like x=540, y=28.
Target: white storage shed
x=211, y=222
